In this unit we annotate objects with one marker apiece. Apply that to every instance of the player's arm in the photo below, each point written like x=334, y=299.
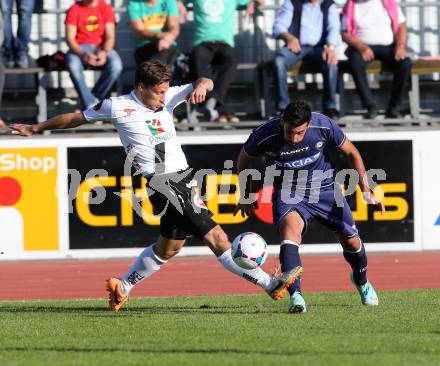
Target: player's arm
x=63, y=121
x=355, y=161
x=201, y=87
x=245, y=162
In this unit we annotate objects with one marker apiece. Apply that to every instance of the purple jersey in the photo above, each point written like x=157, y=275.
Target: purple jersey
x=302, y=165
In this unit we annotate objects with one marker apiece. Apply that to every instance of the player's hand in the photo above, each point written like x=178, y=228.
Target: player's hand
x=400, y=53
x=198, y=95
x=293, y=44
x=21, y=129
x=245, y=208
x=369, y=198
x=367, y=53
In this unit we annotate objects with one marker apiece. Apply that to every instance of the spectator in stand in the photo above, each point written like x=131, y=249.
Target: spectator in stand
x=90, y=35
x=214, y=46
x=155, y=25
x=311, y=31
x=15, y=50
x=375, y=29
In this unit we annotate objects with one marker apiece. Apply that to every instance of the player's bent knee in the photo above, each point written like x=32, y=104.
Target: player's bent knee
x=351, y=244
x=167, y=248
x=217, y=240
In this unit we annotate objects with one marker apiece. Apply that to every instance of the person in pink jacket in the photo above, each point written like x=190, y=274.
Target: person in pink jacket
x=376, y=30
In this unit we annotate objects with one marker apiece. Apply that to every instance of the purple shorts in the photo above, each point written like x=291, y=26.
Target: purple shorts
x=322, y=205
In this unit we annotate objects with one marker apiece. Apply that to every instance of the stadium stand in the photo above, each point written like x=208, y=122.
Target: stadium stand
x=419, y=67
x=249, y=95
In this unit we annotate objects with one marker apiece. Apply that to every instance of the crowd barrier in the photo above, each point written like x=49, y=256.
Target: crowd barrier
x=73, y=197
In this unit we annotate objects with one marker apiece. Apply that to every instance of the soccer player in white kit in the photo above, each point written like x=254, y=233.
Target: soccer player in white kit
x=144, y=122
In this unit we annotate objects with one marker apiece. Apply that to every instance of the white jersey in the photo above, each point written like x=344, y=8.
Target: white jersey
x=149, y=137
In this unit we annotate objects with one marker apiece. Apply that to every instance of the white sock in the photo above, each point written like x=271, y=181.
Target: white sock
x=146, y=264
x=256, y=276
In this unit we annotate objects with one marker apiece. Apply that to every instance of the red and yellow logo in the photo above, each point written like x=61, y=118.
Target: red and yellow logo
x=28, y=201
x=92, y=23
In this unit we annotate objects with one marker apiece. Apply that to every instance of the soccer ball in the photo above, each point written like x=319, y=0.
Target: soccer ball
x=249, y=250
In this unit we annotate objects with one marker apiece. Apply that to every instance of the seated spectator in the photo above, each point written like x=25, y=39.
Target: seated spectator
x=15, y=50
x=375, y=29
x=155, y=25
x=214, y=48
x=311, y=31
x=90, y=35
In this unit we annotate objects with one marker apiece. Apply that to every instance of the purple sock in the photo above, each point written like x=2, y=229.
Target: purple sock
x=289, y=258
x=358, y=263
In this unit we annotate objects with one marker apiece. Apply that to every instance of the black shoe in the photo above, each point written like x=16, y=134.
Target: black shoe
x=332, y=113
x=371, y=113
x=393, y=112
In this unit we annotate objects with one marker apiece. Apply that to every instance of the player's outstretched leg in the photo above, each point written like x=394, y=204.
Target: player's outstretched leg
x=275, y=285
x=357, y=258
x=145, y=265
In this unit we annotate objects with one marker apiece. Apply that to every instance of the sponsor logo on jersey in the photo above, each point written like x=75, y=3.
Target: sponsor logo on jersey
x=305, y=148
x=300, y=162
x=129, y=111
x=154, y=126
x=319, y=144
x=160, y=138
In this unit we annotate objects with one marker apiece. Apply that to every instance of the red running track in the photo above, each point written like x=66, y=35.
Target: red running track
x=80, y=279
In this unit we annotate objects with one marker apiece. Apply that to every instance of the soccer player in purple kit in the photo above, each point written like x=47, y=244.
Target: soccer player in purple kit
x=297, y=143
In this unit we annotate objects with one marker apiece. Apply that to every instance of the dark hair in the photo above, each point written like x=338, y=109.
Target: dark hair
x=297, y=113
x=151, y=73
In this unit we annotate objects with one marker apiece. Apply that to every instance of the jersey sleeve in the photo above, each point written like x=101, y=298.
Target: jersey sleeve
x=254, y=144
x=177, y=95
x=101, y=111
x=336, y=135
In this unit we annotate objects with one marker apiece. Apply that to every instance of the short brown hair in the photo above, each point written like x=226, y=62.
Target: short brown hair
x=297, y=113
x=151, y=73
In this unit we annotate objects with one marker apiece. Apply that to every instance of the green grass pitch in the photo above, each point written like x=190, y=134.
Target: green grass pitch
x=225, y=330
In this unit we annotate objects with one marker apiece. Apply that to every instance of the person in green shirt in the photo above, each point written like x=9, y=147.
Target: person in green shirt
x=155, y=25
x=214, y=45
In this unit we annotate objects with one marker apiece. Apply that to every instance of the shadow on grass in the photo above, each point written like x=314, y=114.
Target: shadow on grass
x=133, y=309
x=227, y=351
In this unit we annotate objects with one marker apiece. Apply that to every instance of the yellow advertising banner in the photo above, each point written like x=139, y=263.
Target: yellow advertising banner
x=28, y=200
